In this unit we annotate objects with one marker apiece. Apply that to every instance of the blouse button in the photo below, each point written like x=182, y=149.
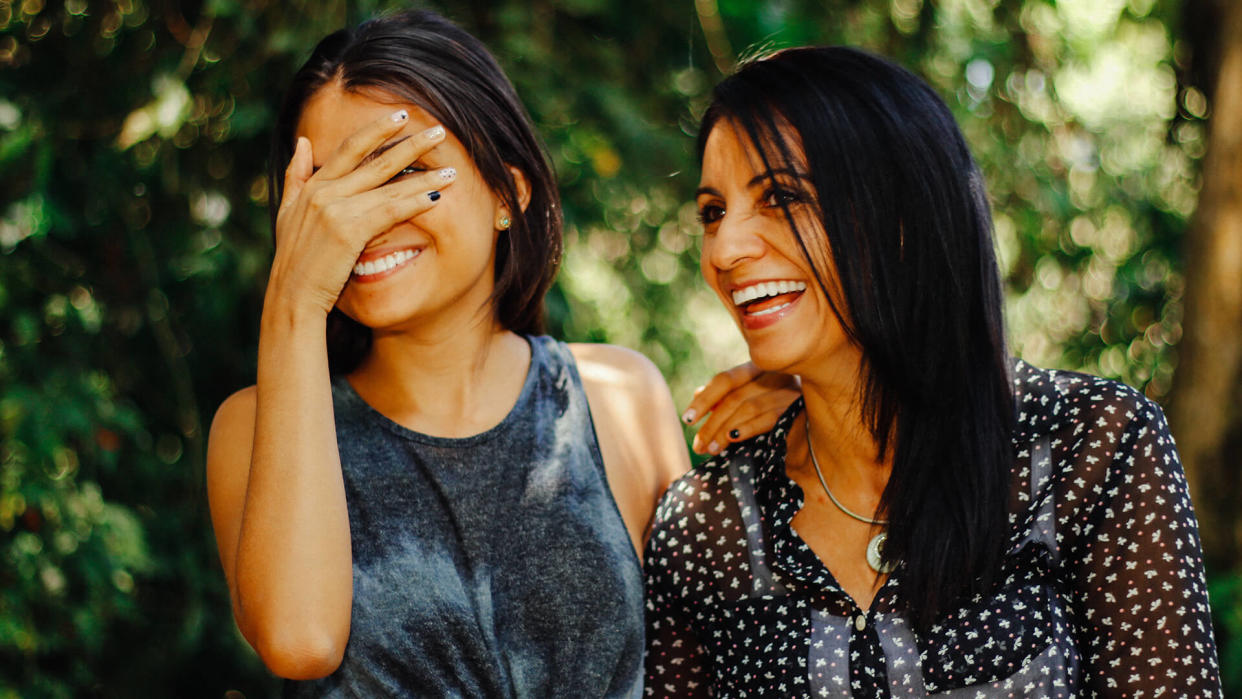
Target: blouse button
x=860, y=622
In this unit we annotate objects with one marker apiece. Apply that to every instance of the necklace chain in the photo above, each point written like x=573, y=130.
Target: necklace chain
x=815, y=462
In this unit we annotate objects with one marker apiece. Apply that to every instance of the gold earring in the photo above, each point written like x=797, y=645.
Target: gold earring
x=505, y=222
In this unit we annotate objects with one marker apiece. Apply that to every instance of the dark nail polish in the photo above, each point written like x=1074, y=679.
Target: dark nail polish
x=434, y=196
x=734, y=434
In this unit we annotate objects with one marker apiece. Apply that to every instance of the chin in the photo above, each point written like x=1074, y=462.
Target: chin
x=375, y=318
x=768, y=357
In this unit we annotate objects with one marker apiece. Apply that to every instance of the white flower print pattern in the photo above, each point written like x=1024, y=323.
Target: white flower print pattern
x=1101, y=592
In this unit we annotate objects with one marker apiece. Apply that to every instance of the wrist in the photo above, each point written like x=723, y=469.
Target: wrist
x=282, y=316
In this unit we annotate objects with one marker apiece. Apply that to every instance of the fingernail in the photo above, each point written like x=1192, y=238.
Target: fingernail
x=447, y=174
x=688, y=416
x=434, y=196
x=435, y=133
x=400, y=115
x=734, y=434
x=713, y=447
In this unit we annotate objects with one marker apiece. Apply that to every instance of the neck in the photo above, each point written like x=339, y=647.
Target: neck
x=447, y=381
x=848, y=453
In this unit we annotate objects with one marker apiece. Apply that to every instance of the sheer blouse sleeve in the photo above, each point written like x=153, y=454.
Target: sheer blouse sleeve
x=1133, y=561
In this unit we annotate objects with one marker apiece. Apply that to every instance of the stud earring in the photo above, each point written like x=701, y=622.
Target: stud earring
x=505, y=223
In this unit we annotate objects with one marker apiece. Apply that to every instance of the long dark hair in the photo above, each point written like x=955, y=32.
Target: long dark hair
x=428, y=61
x=909, y=235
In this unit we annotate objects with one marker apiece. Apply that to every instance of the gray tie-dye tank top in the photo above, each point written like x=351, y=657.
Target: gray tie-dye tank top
x=490, y=566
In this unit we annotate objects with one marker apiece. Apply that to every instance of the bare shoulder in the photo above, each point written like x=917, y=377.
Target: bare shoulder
x=617, y=367
x=622, y=384
x=636, y=423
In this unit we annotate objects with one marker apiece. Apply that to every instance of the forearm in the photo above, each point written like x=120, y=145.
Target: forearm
x=293, y=567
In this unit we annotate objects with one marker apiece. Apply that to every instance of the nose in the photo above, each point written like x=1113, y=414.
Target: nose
x=736, y=240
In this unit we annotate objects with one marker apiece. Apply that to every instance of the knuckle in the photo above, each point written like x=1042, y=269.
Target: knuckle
x=333, y=214
x=393, y=208
x=351, y=143
x=317, y=199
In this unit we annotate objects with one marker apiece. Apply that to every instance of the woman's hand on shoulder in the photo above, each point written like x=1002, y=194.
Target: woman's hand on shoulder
x=739, y=403
x=327, y=216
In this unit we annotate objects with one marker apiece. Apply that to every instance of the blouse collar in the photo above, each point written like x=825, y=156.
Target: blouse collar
x=779, y=499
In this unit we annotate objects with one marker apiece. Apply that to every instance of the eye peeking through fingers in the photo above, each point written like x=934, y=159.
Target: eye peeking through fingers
x=411, y=169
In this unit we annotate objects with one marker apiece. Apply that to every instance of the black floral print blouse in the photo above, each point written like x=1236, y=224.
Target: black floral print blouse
x=1101, y=593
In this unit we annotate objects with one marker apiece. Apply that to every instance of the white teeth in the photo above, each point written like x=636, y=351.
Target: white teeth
x=773, y=309
x=764, y=289
x=385, y=263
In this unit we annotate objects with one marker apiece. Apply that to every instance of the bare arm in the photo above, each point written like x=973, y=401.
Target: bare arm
x=275, y=487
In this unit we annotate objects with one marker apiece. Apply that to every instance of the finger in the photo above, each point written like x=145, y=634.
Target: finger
x=300, y=168
x=740, y=430
x=707, y=396
x=384, y=207
x=401, y=154
x=711, y=437
x=755, y=415
x=362, y=143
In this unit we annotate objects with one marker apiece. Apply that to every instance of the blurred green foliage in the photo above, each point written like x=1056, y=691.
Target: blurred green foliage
x=134, y=244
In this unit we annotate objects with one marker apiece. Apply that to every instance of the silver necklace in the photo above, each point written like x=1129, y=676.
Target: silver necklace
x=876, y=544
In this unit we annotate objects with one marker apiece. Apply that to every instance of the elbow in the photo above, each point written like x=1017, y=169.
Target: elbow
x=300, y=655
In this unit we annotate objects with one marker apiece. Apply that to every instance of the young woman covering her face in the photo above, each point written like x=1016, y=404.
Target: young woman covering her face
x=438, y=501
x=935, y=518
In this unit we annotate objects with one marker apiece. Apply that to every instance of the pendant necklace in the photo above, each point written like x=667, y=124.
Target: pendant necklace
x=874, y=559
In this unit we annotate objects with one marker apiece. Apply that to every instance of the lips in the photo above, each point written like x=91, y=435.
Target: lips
x=764, y=303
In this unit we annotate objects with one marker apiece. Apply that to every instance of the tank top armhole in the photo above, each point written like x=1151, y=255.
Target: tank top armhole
x=559, y=352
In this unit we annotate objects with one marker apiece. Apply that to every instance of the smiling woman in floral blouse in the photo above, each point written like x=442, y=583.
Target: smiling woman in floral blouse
x=935, y=518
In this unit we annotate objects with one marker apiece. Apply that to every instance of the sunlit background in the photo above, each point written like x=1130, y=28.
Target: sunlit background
x=134, y=242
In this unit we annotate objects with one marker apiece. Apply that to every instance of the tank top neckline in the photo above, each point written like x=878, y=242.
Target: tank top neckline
x=537, y=361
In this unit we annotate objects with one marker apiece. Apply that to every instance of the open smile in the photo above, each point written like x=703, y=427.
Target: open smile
x=764, y=303
x=378, y=267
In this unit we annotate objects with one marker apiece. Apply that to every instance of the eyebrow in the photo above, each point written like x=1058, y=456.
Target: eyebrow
x=757, y=179
x=373, y=154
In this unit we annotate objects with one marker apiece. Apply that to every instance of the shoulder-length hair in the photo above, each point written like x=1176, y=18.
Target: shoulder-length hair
x=423, y=58
x=909, y=251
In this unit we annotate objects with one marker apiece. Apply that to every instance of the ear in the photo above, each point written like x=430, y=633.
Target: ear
x=521, y=184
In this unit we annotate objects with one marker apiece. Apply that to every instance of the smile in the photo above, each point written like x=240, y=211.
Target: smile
x=764, y=290
x=762, y=303
x=372, y=269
